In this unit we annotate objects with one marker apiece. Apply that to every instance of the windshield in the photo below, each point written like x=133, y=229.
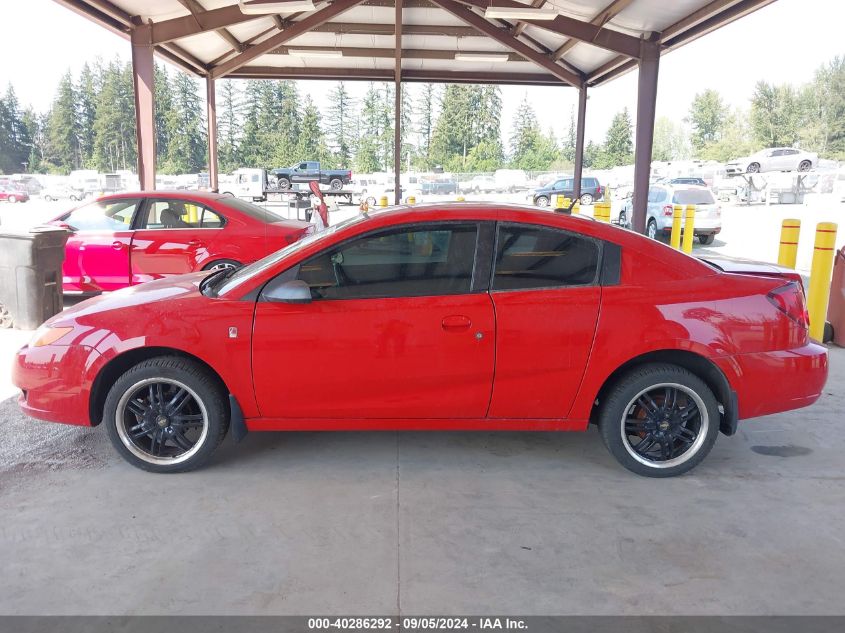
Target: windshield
x=248, y=272
x=252, y=210
x=693, y=196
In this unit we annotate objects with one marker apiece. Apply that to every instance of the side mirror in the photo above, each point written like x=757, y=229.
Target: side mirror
x=293, y=291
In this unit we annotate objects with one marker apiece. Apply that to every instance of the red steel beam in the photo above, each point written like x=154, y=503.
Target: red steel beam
x=194, y=24
x=570, y=27
x=604, y=16
x=211, y=100
x=143, y=79
x=294, y=30
x=503, y=37
x=397, y=108
x=387, y=74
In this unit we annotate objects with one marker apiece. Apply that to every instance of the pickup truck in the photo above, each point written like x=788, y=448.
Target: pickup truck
x=308, y=171
x=438, y=186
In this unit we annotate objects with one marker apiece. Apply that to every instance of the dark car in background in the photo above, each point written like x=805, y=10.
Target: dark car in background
x=310, y=171
x=591, y=191
x=443, y=186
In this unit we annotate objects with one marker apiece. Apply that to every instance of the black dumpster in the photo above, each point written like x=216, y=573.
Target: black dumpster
x=31, y=276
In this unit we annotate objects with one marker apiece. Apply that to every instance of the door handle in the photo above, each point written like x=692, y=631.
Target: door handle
x=456, y=322
x=196, y=243
x=118, y=246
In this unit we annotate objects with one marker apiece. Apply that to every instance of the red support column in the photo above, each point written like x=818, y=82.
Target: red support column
x=397, y=109
x=211, y=97
x=143, y=78
x=649, y=66
x=579, y=141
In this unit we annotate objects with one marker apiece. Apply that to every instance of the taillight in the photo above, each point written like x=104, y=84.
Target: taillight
x=789, y=299
x=668, y=210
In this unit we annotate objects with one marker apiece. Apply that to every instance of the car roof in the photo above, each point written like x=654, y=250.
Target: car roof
x=167, y=193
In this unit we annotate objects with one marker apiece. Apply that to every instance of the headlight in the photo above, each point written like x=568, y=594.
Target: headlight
x=46, y=335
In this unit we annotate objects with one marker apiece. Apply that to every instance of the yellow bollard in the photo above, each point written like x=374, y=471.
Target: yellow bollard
x=677, y=217
x=460, y=199
x=383, y=201
x=601, y=211
x=412, y=200
x=576, y=208
x=689, y=228
x=819, y=292
x=788, y=251
x=559, y=201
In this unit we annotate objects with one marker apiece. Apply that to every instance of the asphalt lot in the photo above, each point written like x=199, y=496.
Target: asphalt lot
x=424, y=523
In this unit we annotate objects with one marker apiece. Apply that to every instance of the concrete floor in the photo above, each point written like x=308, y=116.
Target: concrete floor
x=427, y=523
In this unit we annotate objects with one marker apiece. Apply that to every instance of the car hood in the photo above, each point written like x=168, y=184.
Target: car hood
x=169, y=289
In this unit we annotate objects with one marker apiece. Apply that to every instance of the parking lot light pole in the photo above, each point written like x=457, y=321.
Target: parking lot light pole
x=649, y=66
x=211, y=98
x=143, y=80
x=579, y=142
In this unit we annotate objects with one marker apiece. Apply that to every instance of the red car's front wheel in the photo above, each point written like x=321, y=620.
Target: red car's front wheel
x=166, y=414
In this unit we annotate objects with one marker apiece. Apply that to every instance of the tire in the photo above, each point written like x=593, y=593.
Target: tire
x=371, y=201
x=753, y=168
x=805, y=165
x=707, y=239
x=541, y=201
x=50, y=198
x=201, y=429
x=222, y=263
x=336, y=184
x=587, y=199
x=12, y=199
x=284, y=184
x=651, y=229
x=683, y=435
x=623, y=218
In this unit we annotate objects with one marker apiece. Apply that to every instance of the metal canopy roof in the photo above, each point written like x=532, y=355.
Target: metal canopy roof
x=589, y=43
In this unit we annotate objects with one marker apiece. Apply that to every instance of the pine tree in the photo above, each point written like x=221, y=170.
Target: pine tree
x=367, y=159
x=115, y=144
x=15, y=135
x=87, y=112
x=427, y=116
x=529, y=148
x=707, y=117
x=312, y=142
x=619, y=143
x=339, y=125
x=186, y=152
x=63, y=128
x=229, y=125
x=250, y=151
x=164, y=114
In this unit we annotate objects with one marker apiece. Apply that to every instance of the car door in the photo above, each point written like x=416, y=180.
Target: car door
x=97, y=250
x=546, y=296
x=172, y=237
x=399, y=326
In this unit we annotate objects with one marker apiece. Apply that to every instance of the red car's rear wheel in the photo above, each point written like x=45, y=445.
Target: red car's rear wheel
x=659, y=420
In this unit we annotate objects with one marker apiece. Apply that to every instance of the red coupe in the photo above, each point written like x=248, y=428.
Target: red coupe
x=128, y=238
x=449, y=317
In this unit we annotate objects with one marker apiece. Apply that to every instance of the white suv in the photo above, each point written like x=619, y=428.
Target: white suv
x=661, y=201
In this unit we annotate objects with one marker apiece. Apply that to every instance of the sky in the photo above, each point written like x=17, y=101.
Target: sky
x=784, y=42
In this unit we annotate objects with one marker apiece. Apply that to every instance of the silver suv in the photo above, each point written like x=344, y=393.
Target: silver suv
x=661, y=201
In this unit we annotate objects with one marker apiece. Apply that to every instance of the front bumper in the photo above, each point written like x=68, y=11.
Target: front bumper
x=54, y=382
x=800, y=375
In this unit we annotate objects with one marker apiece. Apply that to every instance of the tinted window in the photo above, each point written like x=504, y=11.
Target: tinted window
x=408, y=262
x=693, y=196
x=656, y=194
x=105, y=215
x=536, y=257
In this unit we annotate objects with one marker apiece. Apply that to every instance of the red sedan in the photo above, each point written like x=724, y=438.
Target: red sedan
x=129, y=238
x=448, y=317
